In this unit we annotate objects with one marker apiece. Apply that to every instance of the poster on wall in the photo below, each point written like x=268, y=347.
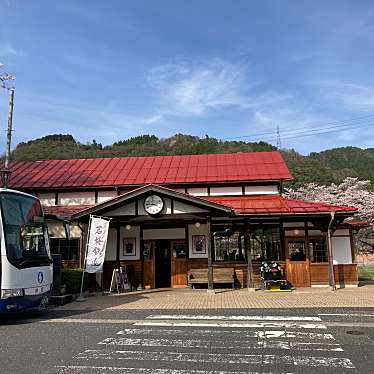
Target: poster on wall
x=98, y=236
x=129, y=247
x=198, y=244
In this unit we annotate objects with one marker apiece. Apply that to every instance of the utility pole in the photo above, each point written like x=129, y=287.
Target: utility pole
x=5, y=172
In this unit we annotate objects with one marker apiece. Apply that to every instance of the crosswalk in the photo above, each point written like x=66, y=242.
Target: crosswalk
x=206, y=344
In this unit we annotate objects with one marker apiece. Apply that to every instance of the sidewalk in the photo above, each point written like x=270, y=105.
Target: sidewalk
x=362, y=297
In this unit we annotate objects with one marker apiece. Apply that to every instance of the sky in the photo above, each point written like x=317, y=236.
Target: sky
x=109, y=70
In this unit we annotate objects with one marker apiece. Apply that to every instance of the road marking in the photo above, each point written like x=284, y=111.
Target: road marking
x=346, y=315
x=227, y=358
x=267, y=334
x=220, y=344
x=109, y=369
x=206, y=324
x=234, y=324
x=234, y=318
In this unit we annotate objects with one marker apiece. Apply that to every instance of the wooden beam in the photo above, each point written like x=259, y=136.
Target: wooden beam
x=248, y=251
x=210, y=263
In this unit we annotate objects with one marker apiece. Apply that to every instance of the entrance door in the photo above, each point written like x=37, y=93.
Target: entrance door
x=179, y=264
x=162, y=263
x=297, y=264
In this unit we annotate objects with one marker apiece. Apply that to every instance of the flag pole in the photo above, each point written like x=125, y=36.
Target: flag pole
x=81, y=298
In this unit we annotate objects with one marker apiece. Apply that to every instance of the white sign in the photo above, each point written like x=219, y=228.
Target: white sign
x=97, y=240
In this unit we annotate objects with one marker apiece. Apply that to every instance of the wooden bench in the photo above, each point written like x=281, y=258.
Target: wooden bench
x=220, y=275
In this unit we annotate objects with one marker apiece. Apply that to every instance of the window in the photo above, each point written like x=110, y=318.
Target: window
x=229, y=246
x=68, y=249
x=266, y=244
x=296, y=250
x=25, y=232
x=318, y=250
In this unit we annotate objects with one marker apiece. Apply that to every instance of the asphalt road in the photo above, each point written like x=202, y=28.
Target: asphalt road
x=84, y=341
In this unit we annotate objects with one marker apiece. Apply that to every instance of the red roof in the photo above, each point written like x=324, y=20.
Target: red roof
x=276, y=205
x=100, y=172
x=242, y=205
x=65, y=211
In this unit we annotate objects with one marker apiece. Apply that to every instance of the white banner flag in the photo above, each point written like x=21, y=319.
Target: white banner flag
x=96, y=247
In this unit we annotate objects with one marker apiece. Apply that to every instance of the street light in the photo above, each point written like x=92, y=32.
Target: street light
x=4, y=78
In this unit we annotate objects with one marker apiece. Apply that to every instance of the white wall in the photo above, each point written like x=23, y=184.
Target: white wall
x=134, y=232
x=47, y=199
x=226, y=191
x=198, y=191
x=155, y=234
x=341, y=250
x=193, y=230
x=105, y=195
x=111, y=246
x=261, y=190
x=76, y=198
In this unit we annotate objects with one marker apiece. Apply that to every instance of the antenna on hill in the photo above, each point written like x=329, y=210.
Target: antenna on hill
x=279, y=143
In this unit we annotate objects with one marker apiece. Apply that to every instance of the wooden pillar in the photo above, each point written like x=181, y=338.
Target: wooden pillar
x=210, y=263
x=248, y=251
x=332, y=284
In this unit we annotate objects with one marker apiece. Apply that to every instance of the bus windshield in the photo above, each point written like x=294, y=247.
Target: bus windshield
x=24, y=229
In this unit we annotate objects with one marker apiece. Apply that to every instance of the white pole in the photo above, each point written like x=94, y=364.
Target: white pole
x=81, y=298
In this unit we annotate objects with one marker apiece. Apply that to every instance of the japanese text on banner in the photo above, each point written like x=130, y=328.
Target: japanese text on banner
x=98, y=236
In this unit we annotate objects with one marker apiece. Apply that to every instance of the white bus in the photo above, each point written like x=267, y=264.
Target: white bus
x=25, y=262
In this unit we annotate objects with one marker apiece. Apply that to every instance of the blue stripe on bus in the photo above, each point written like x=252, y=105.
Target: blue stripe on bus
x=14, y=304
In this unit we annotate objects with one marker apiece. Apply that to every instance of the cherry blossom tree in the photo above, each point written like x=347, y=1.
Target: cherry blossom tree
x=352, y=192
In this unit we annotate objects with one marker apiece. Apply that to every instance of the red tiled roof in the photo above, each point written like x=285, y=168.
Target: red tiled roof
x=256, y=205
x=276, y=205
x=65, y=211
x=161, y=170
x=356, y=224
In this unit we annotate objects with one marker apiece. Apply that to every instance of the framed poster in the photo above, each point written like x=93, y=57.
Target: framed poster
x=129, y=247
x=198, y=244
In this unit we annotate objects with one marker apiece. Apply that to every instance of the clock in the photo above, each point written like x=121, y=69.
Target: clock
x=153, y=204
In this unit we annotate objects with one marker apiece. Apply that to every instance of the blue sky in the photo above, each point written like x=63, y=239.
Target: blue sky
x=108, y=70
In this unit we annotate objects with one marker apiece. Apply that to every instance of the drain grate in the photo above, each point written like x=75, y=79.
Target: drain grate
x=354, y=332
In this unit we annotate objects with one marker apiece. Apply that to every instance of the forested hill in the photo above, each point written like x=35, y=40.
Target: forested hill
x=323, y=167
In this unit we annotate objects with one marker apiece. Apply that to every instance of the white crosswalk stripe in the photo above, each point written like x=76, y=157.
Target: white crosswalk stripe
x=236, y=344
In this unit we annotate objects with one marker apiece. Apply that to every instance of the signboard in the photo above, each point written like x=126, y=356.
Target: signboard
x=97, y=239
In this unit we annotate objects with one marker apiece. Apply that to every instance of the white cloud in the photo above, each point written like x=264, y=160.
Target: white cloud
x=354, y=97
x=194, y=89
x=7, y=49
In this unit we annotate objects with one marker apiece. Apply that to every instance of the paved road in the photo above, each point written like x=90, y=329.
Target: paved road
x=180, y=342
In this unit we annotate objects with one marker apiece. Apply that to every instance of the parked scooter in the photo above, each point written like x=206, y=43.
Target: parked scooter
x=271, y=274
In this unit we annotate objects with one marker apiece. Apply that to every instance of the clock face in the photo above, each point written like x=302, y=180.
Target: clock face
x=153, y=204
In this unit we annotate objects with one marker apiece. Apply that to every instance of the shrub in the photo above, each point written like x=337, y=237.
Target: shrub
x=72, y=279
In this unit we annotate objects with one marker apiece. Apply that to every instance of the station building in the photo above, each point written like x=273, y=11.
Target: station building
x=169, y=214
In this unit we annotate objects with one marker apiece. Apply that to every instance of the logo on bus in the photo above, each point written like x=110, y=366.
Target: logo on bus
x=40, y=277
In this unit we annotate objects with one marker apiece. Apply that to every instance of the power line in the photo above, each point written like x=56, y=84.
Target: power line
x=320, y=132
x=290, y=131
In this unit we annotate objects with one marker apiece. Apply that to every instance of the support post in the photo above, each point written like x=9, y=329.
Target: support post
x=332, y=284
x=248, y=251
x=6, y=171
x=210, y=263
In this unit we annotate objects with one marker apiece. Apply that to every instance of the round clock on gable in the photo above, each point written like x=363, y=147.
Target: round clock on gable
x=153, y=204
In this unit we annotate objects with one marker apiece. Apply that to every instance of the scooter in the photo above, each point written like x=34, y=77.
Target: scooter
x=271, y=275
